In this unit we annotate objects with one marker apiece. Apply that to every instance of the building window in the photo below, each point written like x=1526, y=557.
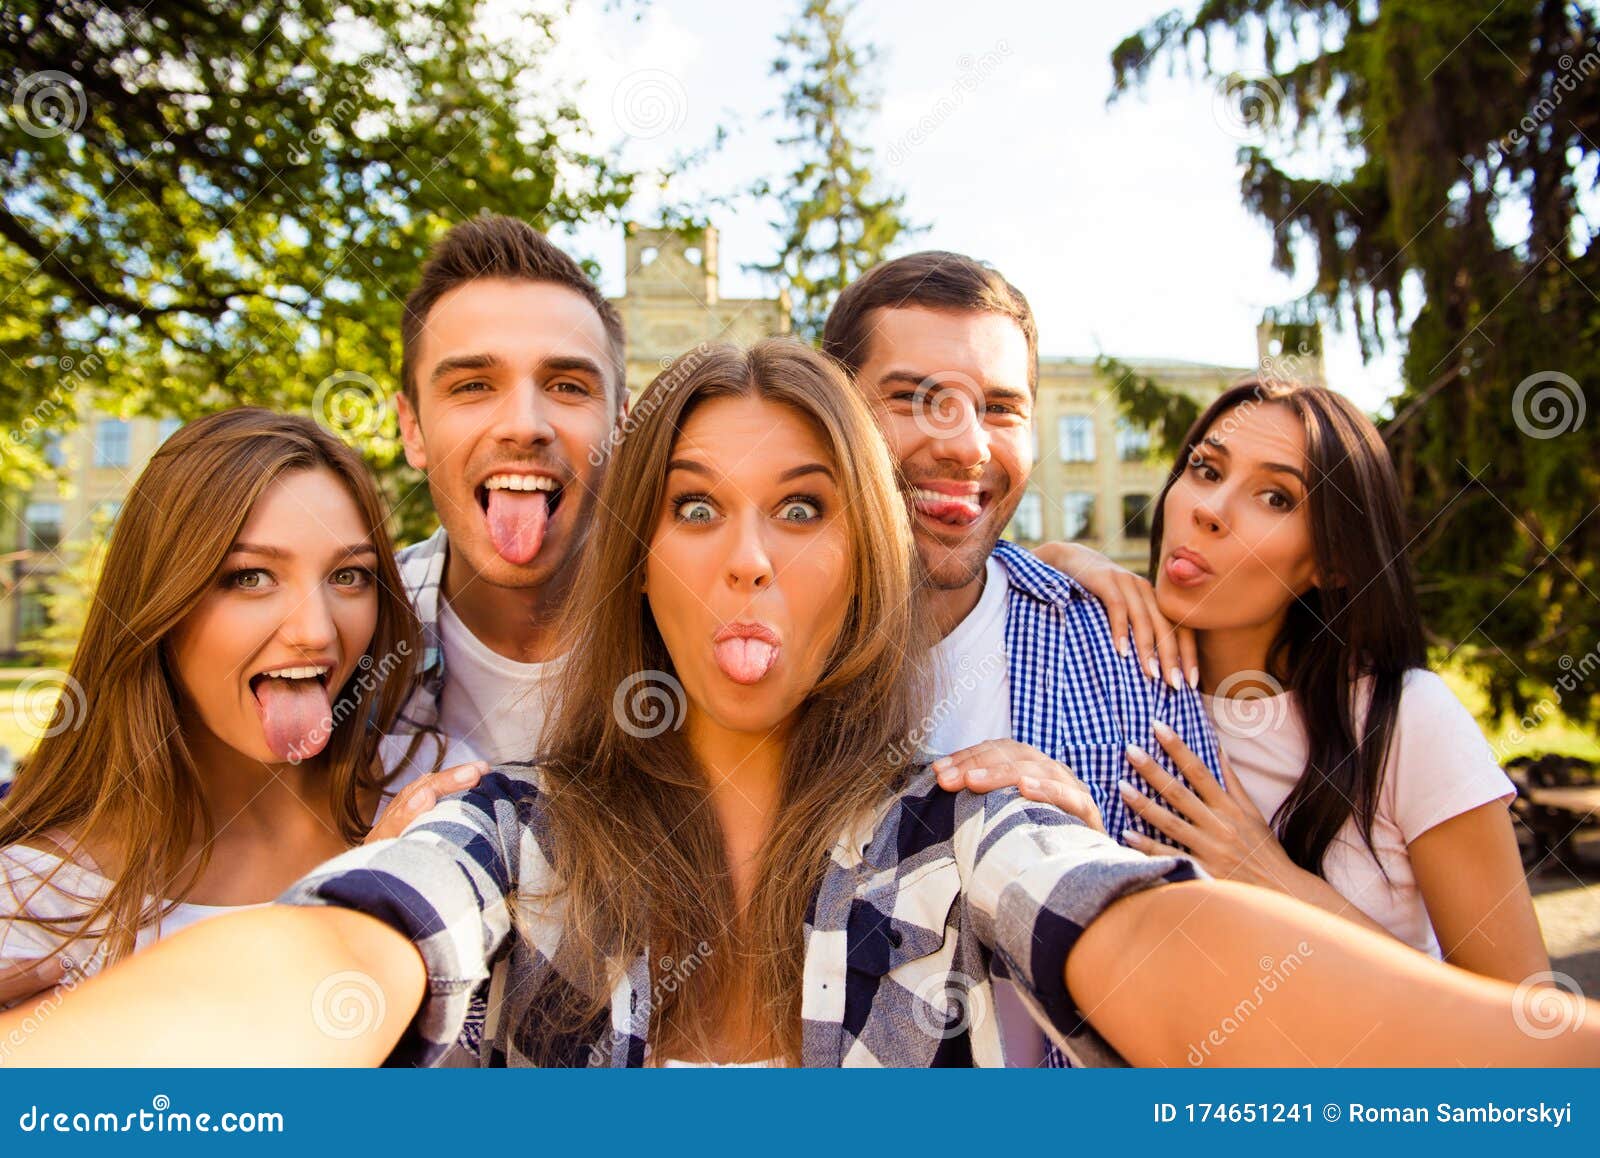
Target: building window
x=33, y=616
x=55, y=453
x=43, y=526
x=1078, y=509
x=1135, y=516
x=1133, y=441
x=1027, y=525
x=111, y=443
x=1077, y=438
x=166, y=428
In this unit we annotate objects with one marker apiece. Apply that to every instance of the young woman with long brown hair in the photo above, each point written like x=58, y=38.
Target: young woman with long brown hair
x=1356, y=780
x=718, y=858
x=244, y=656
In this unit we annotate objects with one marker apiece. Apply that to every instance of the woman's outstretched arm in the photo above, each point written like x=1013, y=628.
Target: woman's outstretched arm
x=273, y=986
x=1217, y=973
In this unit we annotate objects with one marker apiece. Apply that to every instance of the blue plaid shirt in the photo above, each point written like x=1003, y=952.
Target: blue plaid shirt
x=1079, y=702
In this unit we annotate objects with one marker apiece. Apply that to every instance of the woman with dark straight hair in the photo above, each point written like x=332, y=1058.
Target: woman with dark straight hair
x=1357, y=781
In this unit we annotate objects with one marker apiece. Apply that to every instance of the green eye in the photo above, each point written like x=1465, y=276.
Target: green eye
x=799, y=511
x=696, y=511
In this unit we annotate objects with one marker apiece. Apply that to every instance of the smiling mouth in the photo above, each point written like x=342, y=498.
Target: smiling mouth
x=518, y=509
x=949, y=510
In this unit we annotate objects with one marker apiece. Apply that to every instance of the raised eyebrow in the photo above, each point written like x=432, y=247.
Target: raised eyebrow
x=572, y=364
x=690, y=465
x=795, y=472
x=458, y=362
x=1285, y=468
x=257, y=549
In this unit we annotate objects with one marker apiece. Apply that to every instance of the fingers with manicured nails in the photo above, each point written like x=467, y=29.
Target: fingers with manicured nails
x=954, y=771
x=1144, y=636
x=1236, y=792
x=1138, y=841
x=1073, y=801
x=422, y=794
x=1174, y=792
x=25, y=979
x=1191, y=767
x=1163, y=821
x=1189, y=655
x=1117, y=614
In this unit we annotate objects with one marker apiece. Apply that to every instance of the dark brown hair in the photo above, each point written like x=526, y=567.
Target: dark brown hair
x=499, y=247
x=932, y=280
x=640, y=855
x=1361, y=620
x=113, y=763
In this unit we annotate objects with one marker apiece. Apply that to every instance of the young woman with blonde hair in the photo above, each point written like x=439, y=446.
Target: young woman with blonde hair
x=245, y=655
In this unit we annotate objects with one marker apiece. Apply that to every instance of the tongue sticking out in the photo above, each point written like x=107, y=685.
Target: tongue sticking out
x=295, y=717
x=516, y=523
x=745, y=661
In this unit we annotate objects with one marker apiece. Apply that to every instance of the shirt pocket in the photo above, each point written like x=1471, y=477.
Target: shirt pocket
x=902, y=920
x=1100, y=766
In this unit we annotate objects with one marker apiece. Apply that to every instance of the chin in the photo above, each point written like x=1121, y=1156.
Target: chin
x=750, y=710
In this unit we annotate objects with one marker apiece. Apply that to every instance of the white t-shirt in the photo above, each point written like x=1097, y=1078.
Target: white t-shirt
x=1439, y=766
x=973, y=692
x=493, y=705
x=78, y=886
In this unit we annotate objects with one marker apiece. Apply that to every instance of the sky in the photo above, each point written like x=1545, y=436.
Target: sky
x=1123, y=225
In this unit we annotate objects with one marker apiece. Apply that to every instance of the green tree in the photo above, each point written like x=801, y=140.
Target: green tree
x=206, y=203
x=835, y=224
x=1434, y=165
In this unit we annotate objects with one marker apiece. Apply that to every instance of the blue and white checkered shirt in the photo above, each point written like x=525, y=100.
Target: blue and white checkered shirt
x=1079, y=702
x=921, y=906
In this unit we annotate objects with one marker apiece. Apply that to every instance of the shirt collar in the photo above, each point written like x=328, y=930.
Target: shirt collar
x=1038, y=581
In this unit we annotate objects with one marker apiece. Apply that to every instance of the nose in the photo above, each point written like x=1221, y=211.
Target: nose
x=955, y=426
x=309, y=625
x=522, y=416
x=749, y=565
x=1207, y=516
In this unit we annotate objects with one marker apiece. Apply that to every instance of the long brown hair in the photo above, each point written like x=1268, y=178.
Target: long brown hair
x=1362, y=620
x=638, y=849
x=121, y=770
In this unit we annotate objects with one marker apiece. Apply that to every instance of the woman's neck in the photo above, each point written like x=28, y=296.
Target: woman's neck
x=744, y=773
x=1236, y=651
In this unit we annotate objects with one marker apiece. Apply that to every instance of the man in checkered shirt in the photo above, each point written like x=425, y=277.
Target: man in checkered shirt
x=1033, y=683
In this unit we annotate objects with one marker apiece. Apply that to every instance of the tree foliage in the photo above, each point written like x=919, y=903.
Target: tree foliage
x=1434, y=165
x=206, y=203
x=835, y=223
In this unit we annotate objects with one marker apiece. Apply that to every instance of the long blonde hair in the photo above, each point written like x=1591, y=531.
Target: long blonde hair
x=120, y=770
x=639, y=852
